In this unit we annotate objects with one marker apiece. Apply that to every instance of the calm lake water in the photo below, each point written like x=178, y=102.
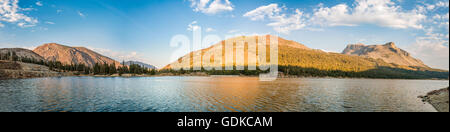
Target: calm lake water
x=198, y=94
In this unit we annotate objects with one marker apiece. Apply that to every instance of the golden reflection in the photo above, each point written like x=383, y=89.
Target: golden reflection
x=242, y=94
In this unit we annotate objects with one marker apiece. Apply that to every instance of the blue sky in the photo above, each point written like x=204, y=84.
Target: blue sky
x=142, y=29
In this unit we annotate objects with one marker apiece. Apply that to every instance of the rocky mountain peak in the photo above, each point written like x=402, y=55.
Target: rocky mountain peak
x=391, y=44
x=72, y=55
x=388, y=52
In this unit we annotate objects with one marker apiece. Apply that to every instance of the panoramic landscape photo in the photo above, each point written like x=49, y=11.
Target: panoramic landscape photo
x=224, y=56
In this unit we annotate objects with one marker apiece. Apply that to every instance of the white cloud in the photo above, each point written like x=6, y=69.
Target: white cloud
x=11, y=12
x=48, y=22
x=437, y=16
x=379, y=12
x=444, y=24
x=442, y=20
x=432, y=47
x=264, y=11
x=1, y=25
x=211, y=6
x=435, y=6
x=285, y=24
x=239, y=34
x=280, y=22
x=193, y=26
x=430, y=7
x=433, y=52
x=442, y=4
x=210, y=30
x=233, y=31
x=122, y=55
x=39, y=3
x=445, y=16
x=382, y=13
x=81, y=14
x=29, y=47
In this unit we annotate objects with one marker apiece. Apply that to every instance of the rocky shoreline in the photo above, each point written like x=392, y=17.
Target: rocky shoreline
x=20, y=70
x=439, y=99
x=19, y=74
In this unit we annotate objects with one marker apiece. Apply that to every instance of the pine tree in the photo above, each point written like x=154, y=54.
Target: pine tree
x=112, y=69
x=14, y=56
x=96, y=69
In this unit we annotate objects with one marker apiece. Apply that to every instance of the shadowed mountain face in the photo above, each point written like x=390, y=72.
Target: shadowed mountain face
x=22, y=53
x=128, y=63
x=72, y=55
x=387, y=52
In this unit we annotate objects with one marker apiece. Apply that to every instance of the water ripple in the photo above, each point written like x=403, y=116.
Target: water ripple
x=228, y=94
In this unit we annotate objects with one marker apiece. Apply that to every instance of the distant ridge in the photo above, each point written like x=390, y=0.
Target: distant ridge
x=72, y=55
x=139, y=63
x=22, y=53
x=388, y=52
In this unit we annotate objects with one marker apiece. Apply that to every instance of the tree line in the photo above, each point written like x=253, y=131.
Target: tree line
x=97, y=69
x=295, y=67
x=245, y=72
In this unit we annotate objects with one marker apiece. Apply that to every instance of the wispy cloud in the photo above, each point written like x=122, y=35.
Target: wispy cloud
x=81, y=14
x=210, y=30
x=433, y=52
x=10, y=12
x=39, y=3
x=280, y=22
x=122, y=55
x=59, y=11
x=211, y=6
x=29, y=47
x=433, y=46
x=193, y=26
x=48, y=22
x=262, y=12
x=233, y=31
x=383, y=13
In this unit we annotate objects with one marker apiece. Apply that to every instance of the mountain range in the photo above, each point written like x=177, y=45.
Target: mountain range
x=67, y=55
x=291, y=53
x=128, y=63
x=293, y=58
x=297, y=59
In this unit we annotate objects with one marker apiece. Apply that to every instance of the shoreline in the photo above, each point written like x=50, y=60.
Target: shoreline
x=439, y=99
x=284, y=77
x=19, y=74
x=21, y=70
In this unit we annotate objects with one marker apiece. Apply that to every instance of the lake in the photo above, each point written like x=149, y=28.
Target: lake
x=217, y=94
